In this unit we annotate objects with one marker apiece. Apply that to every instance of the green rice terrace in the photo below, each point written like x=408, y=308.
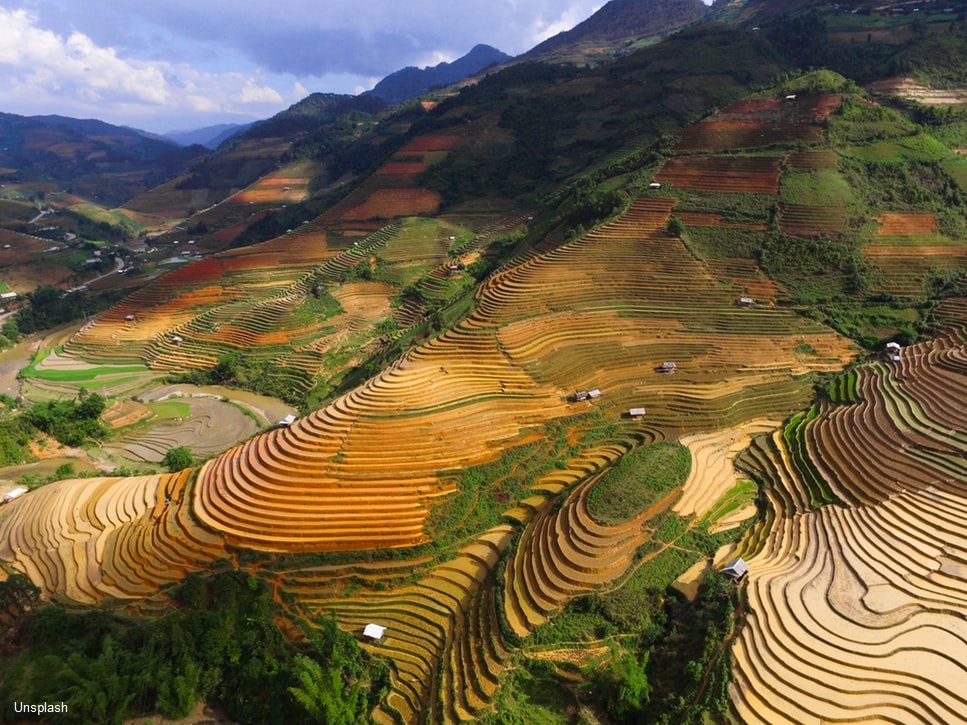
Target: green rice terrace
x=516, y=398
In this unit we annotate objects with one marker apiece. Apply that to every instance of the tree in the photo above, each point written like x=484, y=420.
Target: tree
x=178, y=459
x=675, y=226
x=324, y=696
x=18, y=595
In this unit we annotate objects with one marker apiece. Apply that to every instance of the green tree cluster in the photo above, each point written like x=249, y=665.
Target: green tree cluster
x=224, y=643
x=70, y=422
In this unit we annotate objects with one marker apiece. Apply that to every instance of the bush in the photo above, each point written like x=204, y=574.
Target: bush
x=178, y=459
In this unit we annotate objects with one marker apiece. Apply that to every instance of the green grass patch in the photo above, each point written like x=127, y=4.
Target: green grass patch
x=920, y=147
x=170, y=409
x=825, y=187
x=637, y=480
x=743, y=492
x=843, y=389
x=957, y=168
x=742, y=207
x=80, y=376
x=720, y=243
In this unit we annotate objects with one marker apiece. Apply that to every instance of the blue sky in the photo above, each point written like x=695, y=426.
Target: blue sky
x=164, y=65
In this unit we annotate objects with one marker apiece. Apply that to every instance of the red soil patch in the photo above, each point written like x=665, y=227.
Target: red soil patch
x=752, y=109
x=709, y=219
x=902, y=225
x=722, y=173
x=204, y=270
x=723, y=135
x=402, y=167
x=390, y=203
x=433, y=142
x=817, y=109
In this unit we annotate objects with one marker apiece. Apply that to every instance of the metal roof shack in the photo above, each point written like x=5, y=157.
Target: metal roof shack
x=736, y=569
x=581, y=395
x=374, y=632
x=288, y=420
x=894, y=358
x=746, y=301
x=667, y=367
x=594, y=393
x=636, y=412
x=893, y=347
x=177, y=339
x=654, y=185
x=16, y=493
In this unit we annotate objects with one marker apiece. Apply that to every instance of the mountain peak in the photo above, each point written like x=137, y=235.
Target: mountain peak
x=411, y=82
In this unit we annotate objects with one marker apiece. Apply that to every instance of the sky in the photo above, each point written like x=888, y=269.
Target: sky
x=164, y=65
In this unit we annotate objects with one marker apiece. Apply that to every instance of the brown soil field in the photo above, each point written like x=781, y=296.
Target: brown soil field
x=431, y=142
x=725, y=135
x=390, y=203
x=897, y=224
x=722, y=173
x=908, y=88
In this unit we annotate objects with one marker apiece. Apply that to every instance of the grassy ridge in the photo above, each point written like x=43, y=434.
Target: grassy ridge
x=638, y=480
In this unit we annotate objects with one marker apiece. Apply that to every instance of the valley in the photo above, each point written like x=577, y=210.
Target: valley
x=515, y=375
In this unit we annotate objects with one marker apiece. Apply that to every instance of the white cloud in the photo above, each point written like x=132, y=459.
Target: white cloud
x=41, y=70
x=542, y=29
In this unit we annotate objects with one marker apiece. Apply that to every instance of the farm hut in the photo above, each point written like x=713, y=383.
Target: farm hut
x=595, y=393
x=129, y=318
x=654, y=185
x=8, y=296
x=16, y=493
x=736, y=569
x=667, y=367
x=893, y=347
x=894, y=358
x=746, y=301
x=288, y=420
x=581, y=395
x=373, y=632
x=177, y=339
x=636, y=412
x=791, y=97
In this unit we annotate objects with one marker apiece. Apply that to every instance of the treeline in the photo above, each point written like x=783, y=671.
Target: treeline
x=70, y=422
x=224, y=643
x=49, y=306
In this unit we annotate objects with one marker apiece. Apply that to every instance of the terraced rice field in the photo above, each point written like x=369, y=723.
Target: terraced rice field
x=857, y=610
x=761, y=123
x=807, y=221
x=98, y=539
x=756, y=174
x=906, y=224
x=905, y=257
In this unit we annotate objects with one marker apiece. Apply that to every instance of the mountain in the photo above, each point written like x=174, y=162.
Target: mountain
x=588, y=338
x=306, y=129
x=100, y=160
x=209, y=136
x=411, y=82
x=616, y=28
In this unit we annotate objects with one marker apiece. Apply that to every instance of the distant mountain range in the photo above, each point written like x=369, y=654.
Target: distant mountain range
x=411, y=82
x=210, y=137
x=99, y=160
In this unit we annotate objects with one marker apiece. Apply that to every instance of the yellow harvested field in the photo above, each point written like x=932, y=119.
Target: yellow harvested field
x=713, y=474
x=856, y=611
x=105, y=538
